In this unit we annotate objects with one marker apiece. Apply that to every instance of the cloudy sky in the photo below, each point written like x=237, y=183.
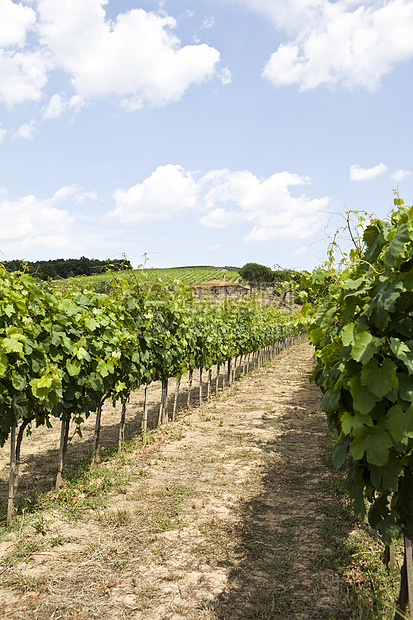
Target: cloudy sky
x=214, y=132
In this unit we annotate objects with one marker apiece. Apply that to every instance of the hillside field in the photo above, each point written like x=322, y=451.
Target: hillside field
x=189, y=275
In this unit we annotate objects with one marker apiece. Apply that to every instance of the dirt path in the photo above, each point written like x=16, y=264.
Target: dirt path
x=223, y=518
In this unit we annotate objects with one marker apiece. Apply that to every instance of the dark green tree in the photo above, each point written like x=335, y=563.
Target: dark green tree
x=253, y=272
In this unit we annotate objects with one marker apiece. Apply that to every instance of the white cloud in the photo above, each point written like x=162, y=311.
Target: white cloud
x=221, y=218
x=31, y=218
x=228, y=198
x=74, y=192
x=26, y=131
x=136, y=57
x=225, y=76
x=23, y=75
x=29, y=223
x=400, y=175
x=302, y=250
x=366, y=174
x=16, y=21
x=59, y=105
x=168, y=192
x=3, y=132
x=348, y=42
x=208, y=22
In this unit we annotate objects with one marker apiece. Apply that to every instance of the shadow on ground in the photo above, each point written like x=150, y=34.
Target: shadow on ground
x=292, y=533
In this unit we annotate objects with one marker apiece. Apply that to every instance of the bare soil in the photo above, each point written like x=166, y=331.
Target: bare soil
x=223, y=516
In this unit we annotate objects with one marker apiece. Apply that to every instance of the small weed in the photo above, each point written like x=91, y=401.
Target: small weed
x=160, y=555
x=41, y=524
x=23, y=583
x=162, y=520
x=57, y=541
x=173, y=576
x=23, y=549
x=119, y=517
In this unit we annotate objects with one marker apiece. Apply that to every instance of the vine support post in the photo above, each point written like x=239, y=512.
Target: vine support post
x=121, y=440
x=96, y=437
x=200, y=385
x=145, y=409
x=188, y=402
x=162, y=408
x=409, y=571
x=209, y=383
x=165, y=401
x=217, y=380
x=64, y=436
x=406, y=582
x=10, y=501
x=19, y=440
x=234, y=371
x=15, y=445
x=178, y=382
x=389, y=550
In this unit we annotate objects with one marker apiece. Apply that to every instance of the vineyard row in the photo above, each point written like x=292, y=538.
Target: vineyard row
x=63, y=354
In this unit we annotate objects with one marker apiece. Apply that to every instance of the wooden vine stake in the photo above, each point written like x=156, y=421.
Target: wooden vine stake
x=18, y=449
x=163, y=416
x=96, y=438
x=122, y=425
x=209, y=383
x=200, y=386
x=406, y=584
x=188, y=402
x=10, y=502
x=165, y=401
x=15, y=445
x=178, y=382
x=217, y=380
x=64, y=436
x=409, y=571
x=145, y=412
x=388, y=557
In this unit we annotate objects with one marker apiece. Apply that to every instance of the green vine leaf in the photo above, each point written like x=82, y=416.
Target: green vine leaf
x=399, y=422
x=380, y=379
x=373, y=442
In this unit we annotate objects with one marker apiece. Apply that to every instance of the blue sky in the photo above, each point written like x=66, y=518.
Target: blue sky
x=215, y=132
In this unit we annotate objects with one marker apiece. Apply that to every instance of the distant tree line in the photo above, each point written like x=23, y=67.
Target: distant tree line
x=260, y=274
x=66, y=268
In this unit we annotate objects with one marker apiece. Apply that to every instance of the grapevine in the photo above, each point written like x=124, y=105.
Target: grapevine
x=63, y=353
x=363, y=334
